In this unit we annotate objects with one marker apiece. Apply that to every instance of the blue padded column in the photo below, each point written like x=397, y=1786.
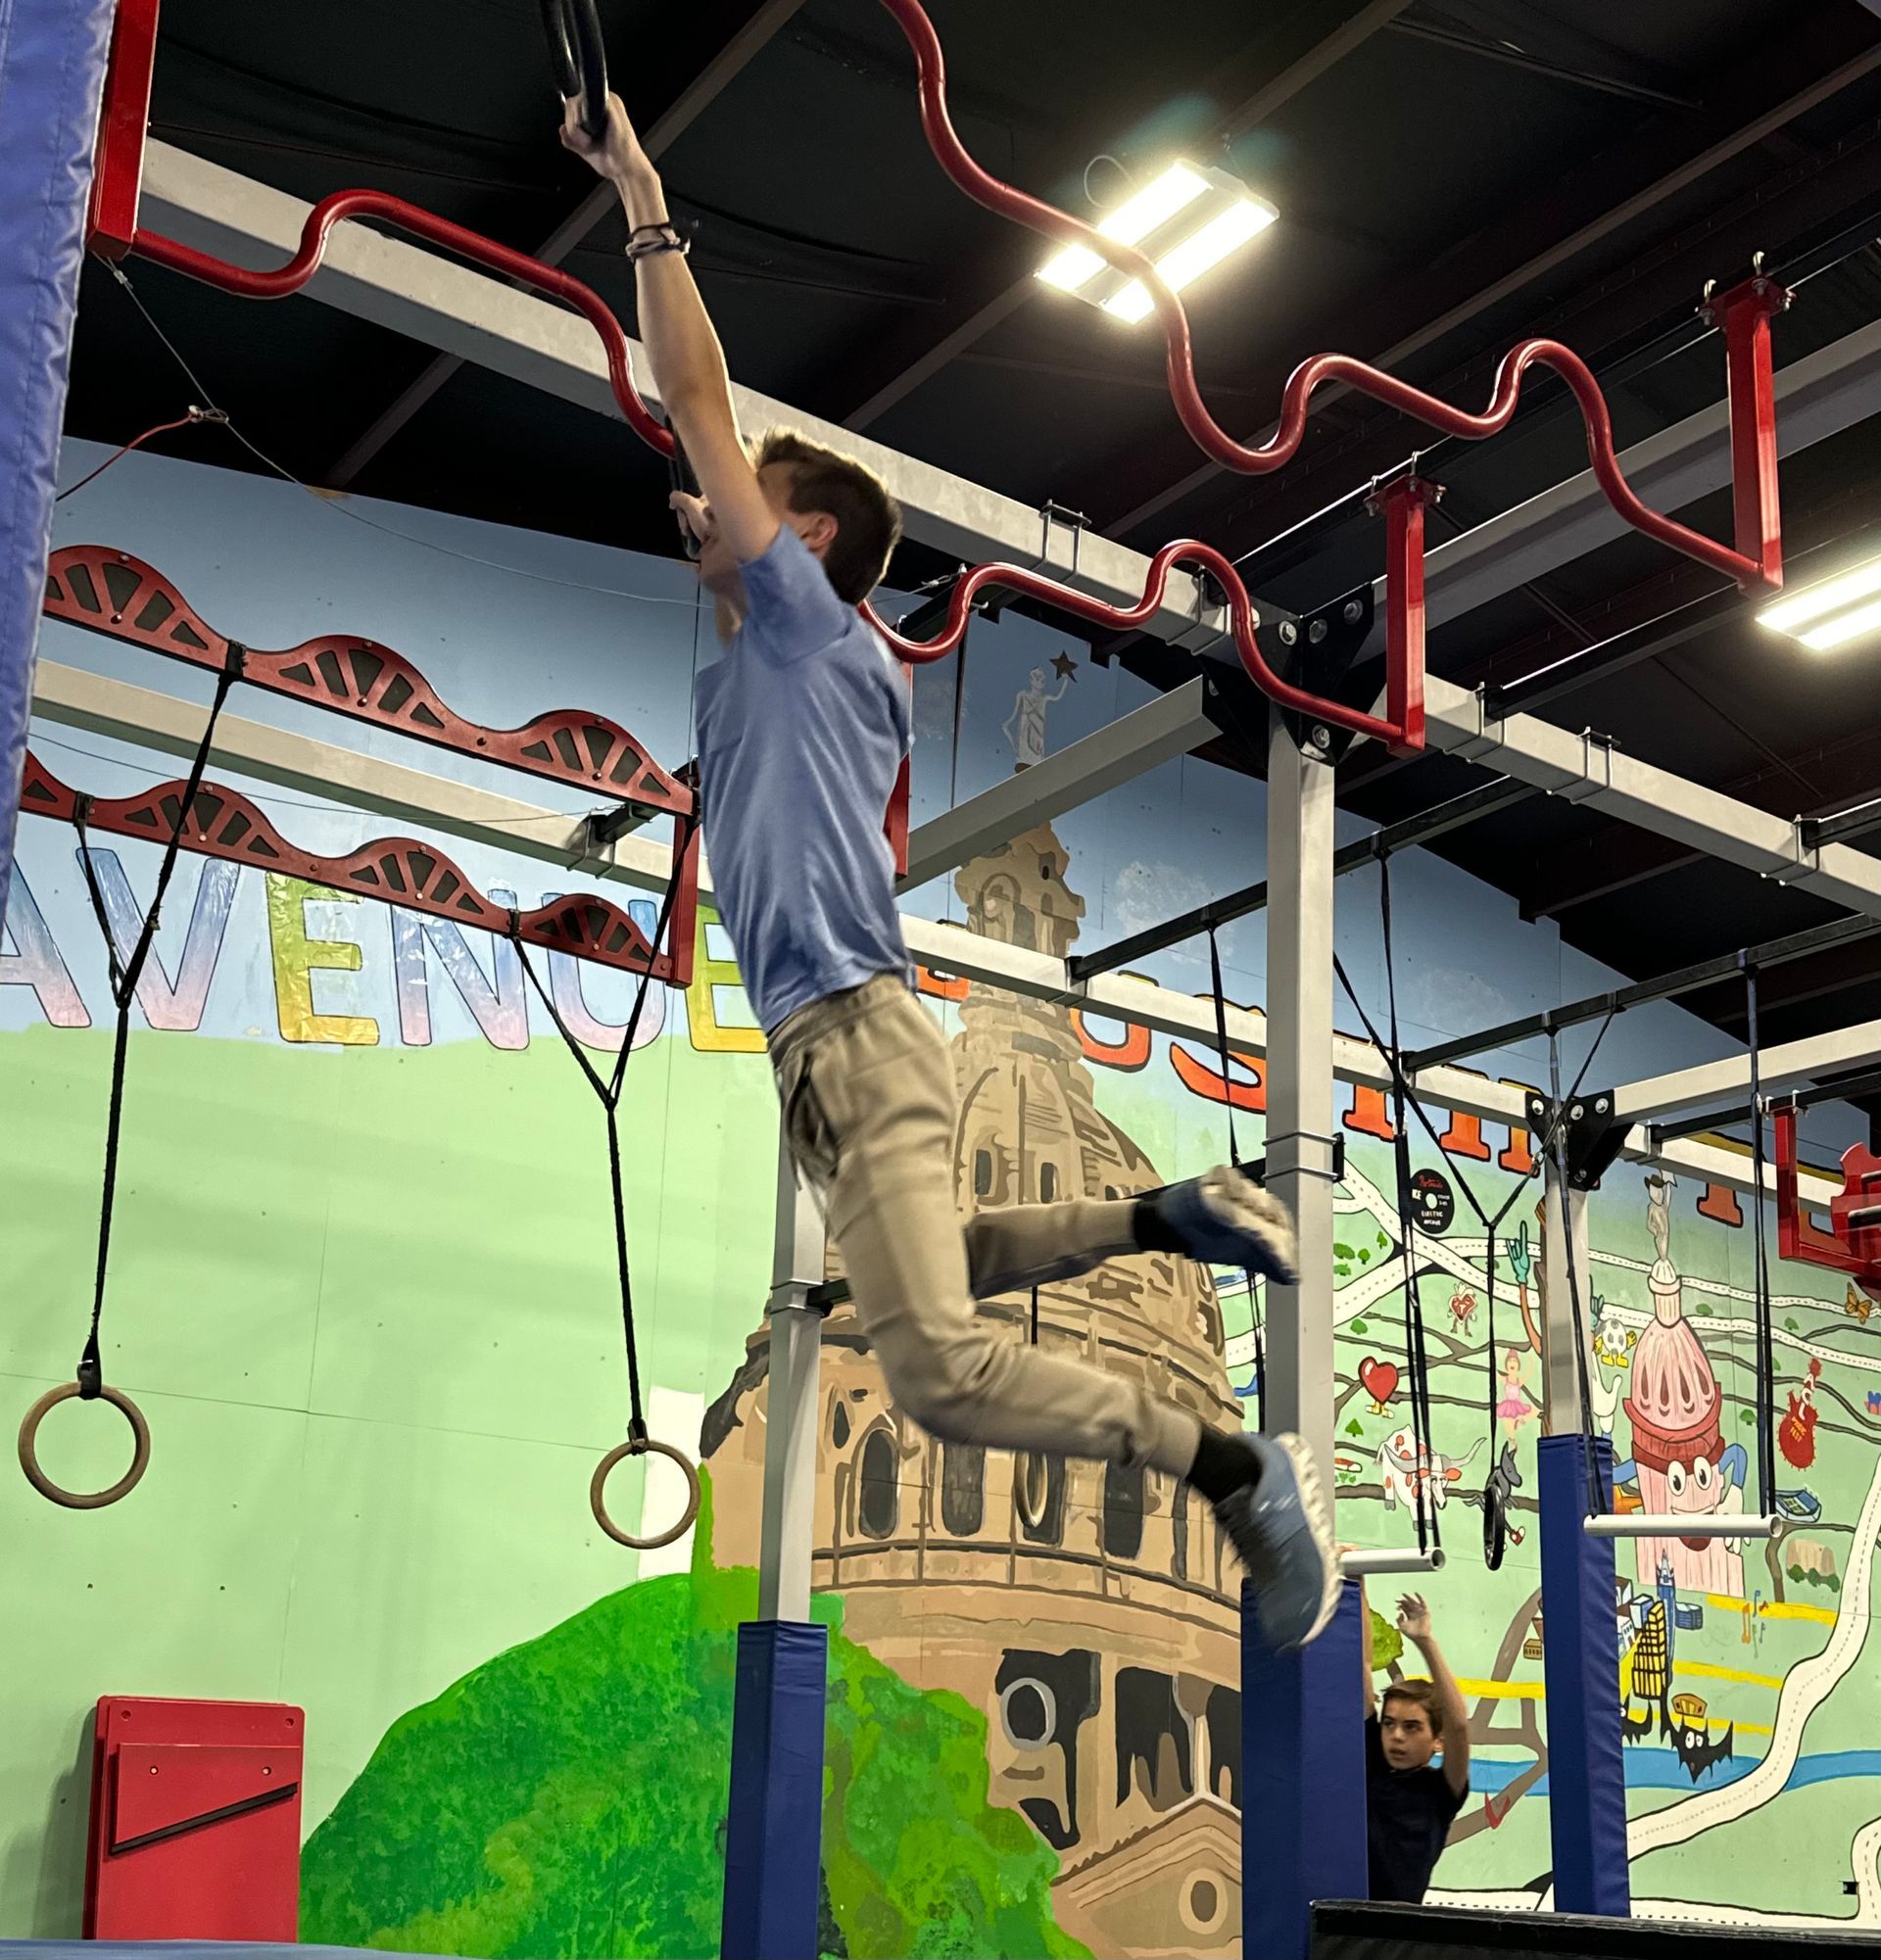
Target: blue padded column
x=1302, y=1779
x=1586, y=1771
x=774, y=1833
x=52, y=75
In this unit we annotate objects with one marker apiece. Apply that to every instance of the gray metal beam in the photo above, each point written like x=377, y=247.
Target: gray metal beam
x=1174, y=724
x=1564, y=1237
x=413, y=291
x=787, y=1533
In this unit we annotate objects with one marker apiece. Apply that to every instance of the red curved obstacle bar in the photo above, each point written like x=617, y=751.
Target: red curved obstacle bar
x=1395, y=731
x=224, y=824
x=472, y=245
x=1746, y=314
x=1006, y=202
x=116, y=595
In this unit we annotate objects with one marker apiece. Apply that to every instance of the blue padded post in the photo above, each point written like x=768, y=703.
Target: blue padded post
x=1586, y=1771
x=1302, y=1779
x=52, y=77
x=774, y=1833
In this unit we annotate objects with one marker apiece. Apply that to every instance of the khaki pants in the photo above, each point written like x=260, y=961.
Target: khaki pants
x=867, y=1086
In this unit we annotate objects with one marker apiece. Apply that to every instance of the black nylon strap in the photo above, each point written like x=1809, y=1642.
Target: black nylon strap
x=607, y=1093
x=1765, y=1347
x=1558, y=1135
x=125, y=977
x=1415, y=1346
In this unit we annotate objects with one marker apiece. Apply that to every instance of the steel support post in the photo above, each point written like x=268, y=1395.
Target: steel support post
x=788, y=1526
x=1300, y=1117
x=1564, y=1236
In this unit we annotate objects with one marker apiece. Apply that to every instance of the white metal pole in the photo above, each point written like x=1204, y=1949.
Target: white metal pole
x=788, y=1526
x=1377, y=1563
x=1678, y=1524
x=1299, y=1085
x=1563, y=1235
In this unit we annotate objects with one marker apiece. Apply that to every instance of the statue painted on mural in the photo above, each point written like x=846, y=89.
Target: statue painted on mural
x=1026, y=725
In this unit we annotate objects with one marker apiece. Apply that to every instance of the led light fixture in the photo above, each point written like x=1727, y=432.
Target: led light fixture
x=1832, y=613
x=1186, y=220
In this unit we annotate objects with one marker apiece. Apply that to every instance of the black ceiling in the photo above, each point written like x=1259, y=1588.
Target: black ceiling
x=1429, y=161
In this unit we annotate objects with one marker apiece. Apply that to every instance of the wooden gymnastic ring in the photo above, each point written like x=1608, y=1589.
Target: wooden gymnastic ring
x=83, y=1500
x=598, y=1492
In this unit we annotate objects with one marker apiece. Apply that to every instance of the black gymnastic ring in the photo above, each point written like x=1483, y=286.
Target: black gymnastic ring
x=1495, y=1527
x=598, y=1492
x=579, y=57
x=83, y=1499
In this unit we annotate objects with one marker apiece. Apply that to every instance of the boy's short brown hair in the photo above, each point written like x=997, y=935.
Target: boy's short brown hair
x=1422, y=1695
x=868, y=520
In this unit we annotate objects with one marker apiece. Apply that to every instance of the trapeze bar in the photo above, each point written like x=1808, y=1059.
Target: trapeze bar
x=1376, y=1563
x=1678, y=1524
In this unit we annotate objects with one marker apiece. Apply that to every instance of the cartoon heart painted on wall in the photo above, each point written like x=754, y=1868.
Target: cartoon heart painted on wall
x=1380, y=1379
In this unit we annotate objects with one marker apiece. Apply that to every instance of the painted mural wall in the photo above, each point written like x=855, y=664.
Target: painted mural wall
x=363, y=1289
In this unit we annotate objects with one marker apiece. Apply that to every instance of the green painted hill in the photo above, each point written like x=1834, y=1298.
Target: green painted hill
x=568, y=1797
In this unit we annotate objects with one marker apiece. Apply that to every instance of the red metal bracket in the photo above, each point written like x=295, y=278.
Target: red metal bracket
x=118, y=164
x=1852, y=1242
x=1744, y=313
x=112, y=592
x=1401, y=504
x=399, y=871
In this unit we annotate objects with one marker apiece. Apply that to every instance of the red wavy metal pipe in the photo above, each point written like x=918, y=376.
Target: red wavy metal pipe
x=281, y=282
x=284, y=280
x=1047, y=219
x=1001, y=197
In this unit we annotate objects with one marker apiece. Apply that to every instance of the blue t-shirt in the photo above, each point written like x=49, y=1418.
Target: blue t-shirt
x=802, y=727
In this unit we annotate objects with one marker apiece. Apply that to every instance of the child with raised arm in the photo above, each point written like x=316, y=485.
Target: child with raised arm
x=1410, y=1802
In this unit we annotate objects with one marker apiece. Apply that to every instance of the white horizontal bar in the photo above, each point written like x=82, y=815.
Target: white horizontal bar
x=1649, y=798
x=1677, y=1525
x=306, y=765
x=414, y=291
x=1369, y=1564
x=1780, y=1067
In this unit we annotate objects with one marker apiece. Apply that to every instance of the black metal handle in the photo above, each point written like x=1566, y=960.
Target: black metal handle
x=579, y=57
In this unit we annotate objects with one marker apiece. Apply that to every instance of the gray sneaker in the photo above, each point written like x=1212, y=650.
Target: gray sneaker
x=1282, y=1527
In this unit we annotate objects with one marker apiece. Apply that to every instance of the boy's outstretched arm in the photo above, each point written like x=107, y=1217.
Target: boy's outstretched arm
x=688, y=362
x=1414, y=1622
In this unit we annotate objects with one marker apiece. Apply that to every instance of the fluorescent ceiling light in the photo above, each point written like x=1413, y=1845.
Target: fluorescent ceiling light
x=1843, y=627
x=1186, y=220
x=1128, y=224
x=1241, y=220
x=1830, y=614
